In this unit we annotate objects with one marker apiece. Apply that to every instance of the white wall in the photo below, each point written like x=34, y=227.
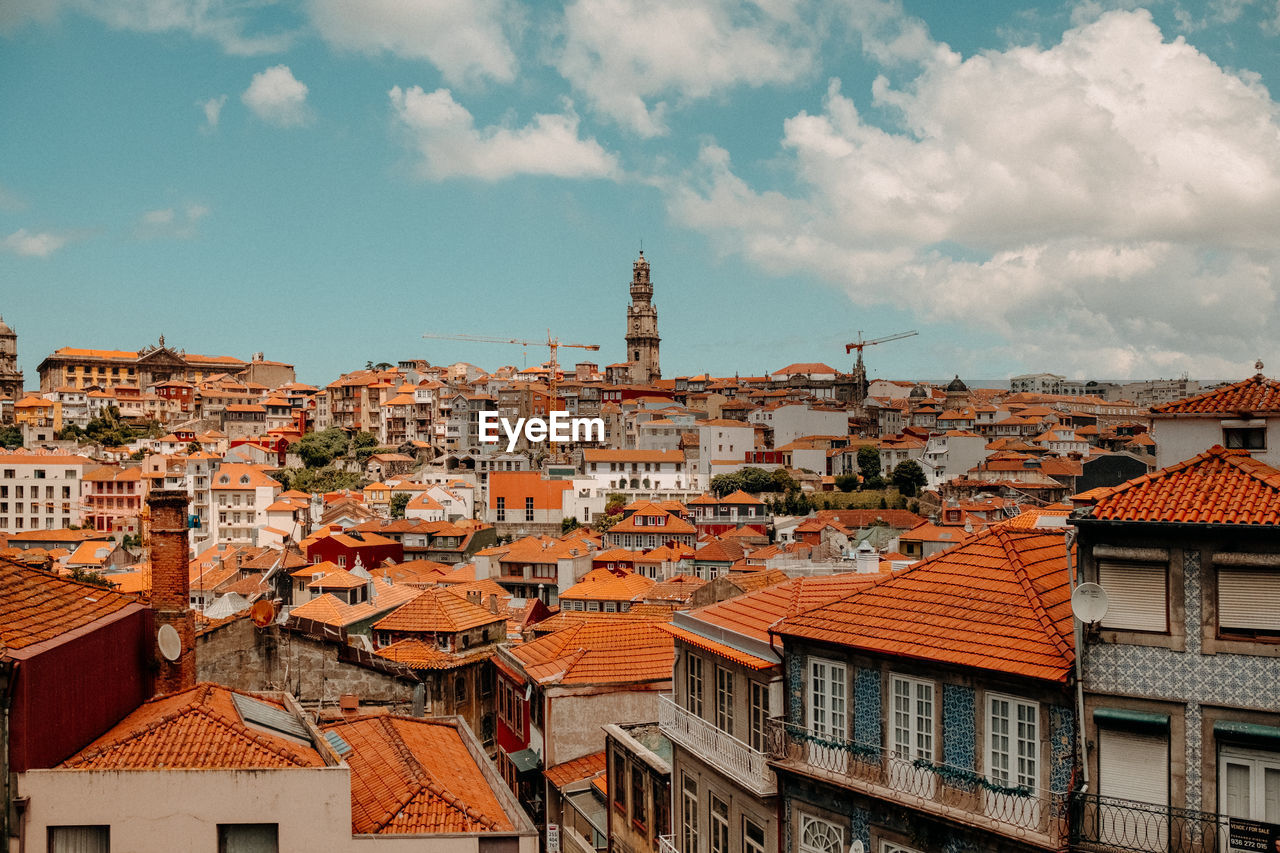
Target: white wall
x=1180, y=439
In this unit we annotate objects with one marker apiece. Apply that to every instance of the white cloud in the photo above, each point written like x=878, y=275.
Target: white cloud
x=628, y=57
x=277, y=97
x=1108, y=204
x=445, y=134
x=466, y=41
x=212, y=110
x=222, y=21
x=179, y=222
x=40, y=244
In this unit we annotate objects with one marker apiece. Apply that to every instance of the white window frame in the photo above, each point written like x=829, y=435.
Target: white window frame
x=1019, y=751
x=834, y=841
x=1259, y=762
x=919, y=730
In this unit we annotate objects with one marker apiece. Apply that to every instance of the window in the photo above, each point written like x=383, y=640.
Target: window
x=820, y=836
x=500, y=505
x=719, y=825
x=724, y=700
x=759, y=702
x=1248, y=601
x=1138, y=594
x=912, y=717
x=618, y=788
x=693, y=684
x=890, y=847
x=639, y=814
x=1133, y=766
x=248, y=837
x=79, y=839
x=1246, y=438
x=528, y=509
x=460, y=690
x=752, y=836
x=689, y=814
x=1249, y=784
x=1013, y=750
x=827, y=681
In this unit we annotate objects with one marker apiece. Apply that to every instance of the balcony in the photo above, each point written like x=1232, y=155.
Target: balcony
x=732, y=757
x=954, y=794
x=1106, y=825
x=667, y=844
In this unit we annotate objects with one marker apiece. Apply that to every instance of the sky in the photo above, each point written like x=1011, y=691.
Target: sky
x=1088, y=189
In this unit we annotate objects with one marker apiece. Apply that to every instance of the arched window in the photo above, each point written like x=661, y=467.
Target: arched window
x=819, y=836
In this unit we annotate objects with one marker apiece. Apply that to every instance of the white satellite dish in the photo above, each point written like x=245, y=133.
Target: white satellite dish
x=169, y=642
x=1089, y=603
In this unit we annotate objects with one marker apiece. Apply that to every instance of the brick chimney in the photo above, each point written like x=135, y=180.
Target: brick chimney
x=171, y=586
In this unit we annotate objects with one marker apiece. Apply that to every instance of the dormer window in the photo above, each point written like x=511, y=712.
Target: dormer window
x=1244, y=437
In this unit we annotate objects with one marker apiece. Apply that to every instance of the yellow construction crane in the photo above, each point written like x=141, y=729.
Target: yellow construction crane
x=551, y=343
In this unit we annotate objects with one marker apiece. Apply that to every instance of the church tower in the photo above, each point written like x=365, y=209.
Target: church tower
x=642, y=326
x=10, y=376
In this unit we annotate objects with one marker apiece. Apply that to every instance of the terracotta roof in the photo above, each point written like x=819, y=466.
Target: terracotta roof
x=1000, y=602
x=677, y=588
x=332, y=610
x=1254, y=395
x=414, y=776
x=418, y=654
x=197, y=729
x=752, y=613
x=596, y=652
x=720, y=551
x=608, y=585
x=437, y=609
x=673, y=526
x=575, y=770
x=36, y=606
x=857, y=518
x=1219, y=486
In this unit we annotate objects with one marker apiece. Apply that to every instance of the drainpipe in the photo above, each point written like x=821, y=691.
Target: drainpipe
x=1073, y=570
x=6, y=681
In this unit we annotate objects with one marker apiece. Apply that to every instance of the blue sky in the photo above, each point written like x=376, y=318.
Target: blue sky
x=1090, y=189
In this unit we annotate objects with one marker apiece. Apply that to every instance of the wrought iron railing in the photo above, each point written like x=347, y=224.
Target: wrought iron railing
x=954, y=793
x=749, y=767
x=1108, y=825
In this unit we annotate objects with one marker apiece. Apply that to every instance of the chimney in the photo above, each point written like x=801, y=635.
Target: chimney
x=493, y=602
x=349, y=703
x=473, y=595
x=170, y=586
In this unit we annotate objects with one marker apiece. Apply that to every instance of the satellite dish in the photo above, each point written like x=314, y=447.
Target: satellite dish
x=263, y=612
x=169, y=642
x=1089, y=603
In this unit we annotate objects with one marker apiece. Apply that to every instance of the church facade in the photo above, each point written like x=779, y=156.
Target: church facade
x=642, y=326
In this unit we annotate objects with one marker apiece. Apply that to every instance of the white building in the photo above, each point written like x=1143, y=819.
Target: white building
x=40, y=492
x=1241, y=415
x=636, y=469
x=949, y=455
x=241, y=496
x=722, y=441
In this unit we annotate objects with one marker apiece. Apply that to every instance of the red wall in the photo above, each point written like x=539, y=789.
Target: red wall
x=370, y=555
x=68, y=695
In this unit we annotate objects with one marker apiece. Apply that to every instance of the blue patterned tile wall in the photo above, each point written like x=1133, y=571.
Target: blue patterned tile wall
x=1062, y=747
x=866, y=707
x=860, y=827
x=959, y=734
x=795, y=688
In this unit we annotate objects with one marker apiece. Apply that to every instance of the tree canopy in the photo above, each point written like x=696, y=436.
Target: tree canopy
x=318, y=449
x=909, y=478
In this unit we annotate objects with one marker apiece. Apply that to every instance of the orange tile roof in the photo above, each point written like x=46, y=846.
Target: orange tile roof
x=999, y=602
x=673, y=526
x=752, y=613
x=36, y=606
x=677, y=588
x=1219, y=486
x=1255, y=395
x=437, y=610
x=575, y=770
x=718, y=550
x=596, y=652
x=608, y=585
x=418, y=654
x=197, y=729
x=332, y=610
x=415, y=776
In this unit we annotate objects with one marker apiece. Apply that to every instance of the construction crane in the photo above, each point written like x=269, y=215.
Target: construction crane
x=859, y=369
x=551, y=343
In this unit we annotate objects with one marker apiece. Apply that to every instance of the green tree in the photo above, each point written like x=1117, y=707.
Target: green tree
x=846, y=482
x=90, y=577
x=363, y=439
x=723, y=484
x=318, y=480
x=909, y=478
x=869, y=462
x=612, y=512
x=568, y=524
x=318, y=449
x=782, y=481
x=11, y=436
x=399, y=501
x=193, y=447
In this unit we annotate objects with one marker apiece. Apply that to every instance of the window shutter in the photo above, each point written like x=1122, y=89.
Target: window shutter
x=1133, y=766
x=1138, y=595
x=1249, y=598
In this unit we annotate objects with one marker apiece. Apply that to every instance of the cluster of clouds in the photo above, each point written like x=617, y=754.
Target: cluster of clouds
x=1110, y=202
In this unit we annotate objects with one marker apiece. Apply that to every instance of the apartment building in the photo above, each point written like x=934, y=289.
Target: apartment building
x=241, y=495
x=41, y=492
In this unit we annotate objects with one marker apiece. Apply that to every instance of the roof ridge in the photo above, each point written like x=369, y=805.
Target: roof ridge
x=1028, y=589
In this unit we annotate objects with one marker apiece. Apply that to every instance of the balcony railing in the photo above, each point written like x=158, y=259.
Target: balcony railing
x=667, y=844
x=1107, y=825
x=955, y=794
x=747, y=766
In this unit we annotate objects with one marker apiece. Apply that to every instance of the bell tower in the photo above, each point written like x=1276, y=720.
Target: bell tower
x=642, y=326
x=10, y=376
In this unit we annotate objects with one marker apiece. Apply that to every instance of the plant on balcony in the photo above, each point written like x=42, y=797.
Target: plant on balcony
x=960, y=776
x=861, y=750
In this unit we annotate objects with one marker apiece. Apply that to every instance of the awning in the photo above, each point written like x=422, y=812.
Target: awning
x=1267, y=737
x=524, y=760
x=1133, y=721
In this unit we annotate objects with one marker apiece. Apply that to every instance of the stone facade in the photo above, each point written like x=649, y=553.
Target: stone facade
x=10, y=375
x=642, y=326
